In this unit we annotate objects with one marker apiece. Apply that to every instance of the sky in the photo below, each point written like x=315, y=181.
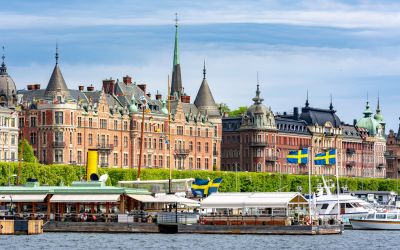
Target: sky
x=349, y=49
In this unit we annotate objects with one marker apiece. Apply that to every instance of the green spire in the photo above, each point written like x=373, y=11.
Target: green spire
x=176, y=49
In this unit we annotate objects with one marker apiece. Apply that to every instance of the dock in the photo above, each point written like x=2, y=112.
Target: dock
x=114, y=227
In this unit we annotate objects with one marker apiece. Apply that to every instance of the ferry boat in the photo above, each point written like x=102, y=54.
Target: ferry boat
x=326, y=204
x=378, y=221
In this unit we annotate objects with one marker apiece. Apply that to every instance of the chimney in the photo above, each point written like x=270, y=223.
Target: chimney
x=149, y=95
x=296, y=113
x=142, y=87
x=30, y=87
x=127, y=80
x=354, y=122
x=185, y=98
x=108, y=86
x=158, y=96
x=90, y=88
x=36, y=86
x=81, y=88
x=284, y=113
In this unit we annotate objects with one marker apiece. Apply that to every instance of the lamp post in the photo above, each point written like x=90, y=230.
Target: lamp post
x=236, y=177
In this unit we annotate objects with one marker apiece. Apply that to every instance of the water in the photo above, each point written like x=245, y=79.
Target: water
x=348, y=240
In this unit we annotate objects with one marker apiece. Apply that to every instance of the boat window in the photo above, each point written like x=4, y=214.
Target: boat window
x=355, y=205
x=380, y=216
x=325, y=206
x=370, y=216
x=348, y=205
x=392, y=216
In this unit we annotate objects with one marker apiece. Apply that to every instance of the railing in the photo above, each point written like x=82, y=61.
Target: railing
x=182, y=151
x=103, y=146
x=177, y=218
x=58, y=144
x=271, y=158
x=261, y=144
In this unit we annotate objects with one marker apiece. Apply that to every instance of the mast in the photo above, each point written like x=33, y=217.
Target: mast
x=169, y=139
x=337, y=185
x=309, y=184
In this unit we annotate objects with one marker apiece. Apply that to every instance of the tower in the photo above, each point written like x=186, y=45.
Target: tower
x=176, y=83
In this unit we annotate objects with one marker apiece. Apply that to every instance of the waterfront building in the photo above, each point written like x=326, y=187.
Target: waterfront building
x=62, y=123
x=8, y=116
x=259, y=141
x=393, y=154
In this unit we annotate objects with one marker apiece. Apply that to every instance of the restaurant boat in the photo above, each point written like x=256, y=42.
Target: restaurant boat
x=378, y=221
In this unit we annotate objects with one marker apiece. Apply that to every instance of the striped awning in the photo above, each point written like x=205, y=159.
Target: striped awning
x=22, y=197
x=74, y=198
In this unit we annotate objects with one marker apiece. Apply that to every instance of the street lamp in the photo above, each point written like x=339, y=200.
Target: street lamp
x=236, y=177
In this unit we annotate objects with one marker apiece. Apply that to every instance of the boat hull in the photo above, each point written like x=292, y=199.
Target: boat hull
x=375, y=224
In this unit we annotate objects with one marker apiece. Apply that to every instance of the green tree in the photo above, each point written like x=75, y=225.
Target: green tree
x=238, y=112
x=223, y=108
x=28, y=155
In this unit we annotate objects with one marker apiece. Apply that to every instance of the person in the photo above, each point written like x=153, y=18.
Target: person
x=94, y=218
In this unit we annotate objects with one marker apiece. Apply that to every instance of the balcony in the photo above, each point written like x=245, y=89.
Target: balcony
x=261, y=144
x=182, y=152
x=350, y=164
x=380, y=166
x=271, y=158
x=58, y=144
x=104, y=147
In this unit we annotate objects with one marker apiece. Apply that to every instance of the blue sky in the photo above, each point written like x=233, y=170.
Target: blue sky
x=343, y=48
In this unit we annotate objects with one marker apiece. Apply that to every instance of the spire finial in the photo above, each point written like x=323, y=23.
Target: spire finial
x=3, y=56
x=204, y=69
x=307, y=103
x=331, y=104
x=56, y=52
x=176, y=20
x=378, y=108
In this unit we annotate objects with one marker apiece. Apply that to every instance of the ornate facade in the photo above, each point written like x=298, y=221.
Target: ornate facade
x=62, y=123
x=260, y=141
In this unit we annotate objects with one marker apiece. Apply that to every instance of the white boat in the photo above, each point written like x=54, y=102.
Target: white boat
x=326, y=204
x=378, y=221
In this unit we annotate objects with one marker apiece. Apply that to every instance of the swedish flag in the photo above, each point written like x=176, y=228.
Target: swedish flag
x=214, y=185
x=200, y=187
x=326, y=158
x=298, y=156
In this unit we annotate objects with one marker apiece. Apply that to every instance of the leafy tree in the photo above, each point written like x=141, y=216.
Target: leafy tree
x=223, y=108
x=238, y=112
x=28, y=155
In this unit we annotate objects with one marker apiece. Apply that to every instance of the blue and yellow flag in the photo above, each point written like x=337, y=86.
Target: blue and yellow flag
x=200, y=187
x=214, y=185
x=298, y=156
x=326, y=158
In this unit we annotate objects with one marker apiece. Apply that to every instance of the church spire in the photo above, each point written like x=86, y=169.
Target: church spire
x=56, y=53
x=57, y=84
x=204, y=69
x=176, y=83
x=331, y=104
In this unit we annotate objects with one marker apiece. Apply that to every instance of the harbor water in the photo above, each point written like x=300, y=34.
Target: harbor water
x=348, y=240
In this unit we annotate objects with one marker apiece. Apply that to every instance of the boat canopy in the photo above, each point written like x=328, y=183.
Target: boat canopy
x=253, y=200
x=73, y=198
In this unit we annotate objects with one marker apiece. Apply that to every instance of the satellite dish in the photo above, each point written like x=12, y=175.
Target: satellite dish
x=94, y=177
x=103, y=178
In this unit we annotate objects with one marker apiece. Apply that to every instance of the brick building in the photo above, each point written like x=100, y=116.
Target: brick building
x=393, y=154
x=260, y=141
x=62, y=123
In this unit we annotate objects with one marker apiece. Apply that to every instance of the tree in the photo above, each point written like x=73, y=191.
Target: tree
x=238, y=112
x=223, y=108
x=28, y=155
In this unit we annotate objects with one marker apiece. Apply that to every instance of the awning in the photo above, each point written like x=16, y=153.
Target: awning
x=22, y=197
x=74, y=198
x=171, y=198
x=142, y=198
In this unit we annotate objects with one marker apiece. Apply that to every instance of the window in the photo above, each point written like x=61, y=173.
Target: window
x=44, y=155
x=70, y=156
x=13, y=122
x=58, y=156
x=43, y=118
x=125, y=142
x=206, y=147
x=190, y=146
x=206, y=132
x=325, y=206
x=59, y=117
x=79, y=157
x=160, y=160
x=125, y=159
x=115, y=140
x=115, y=159
x=155, y=144
x=179, y=130
x=90, y=139
x=32, y=138
x=33, y=122
x=79, y=121
x=198, y=132
x=125, y=125
x=190, y=163
x=160, y=144
x=21, y=122
x=59, y=136
x=198, y=163
x=103, y=123
x=115, y=125
x=12, y=139
x=191, y=131
x=71, y=139
x=206, y=163
x=12, y=156
x=79, y=138
x=90, y=122
x=198, y=147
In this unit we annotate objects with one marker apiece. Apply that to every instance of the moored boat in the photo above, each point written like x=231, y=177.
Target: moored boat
x=378, y=221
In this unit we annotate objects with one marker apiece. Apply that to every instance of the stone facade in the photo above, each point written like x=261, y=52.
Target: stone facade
x=393, y=154
x=259, y=141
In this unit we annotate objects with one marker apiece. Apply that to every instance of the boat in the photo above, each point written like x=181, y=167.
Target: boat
x=325, y=204
x=389, y=220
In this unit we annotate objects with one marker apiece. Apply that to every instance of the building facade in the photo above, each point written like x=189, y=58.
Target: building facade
x=8, y=116
x=259, y=141
x=393, y=154
x=62, y=124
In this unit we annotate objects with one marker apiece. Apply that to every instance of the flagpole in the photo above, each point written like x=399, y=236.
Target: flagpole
x=309, y=183
x=337, y=184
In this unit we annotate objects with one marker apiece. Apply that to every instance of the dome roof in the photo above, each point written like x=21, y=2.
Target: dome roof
x=368, y=122
x=8, y=89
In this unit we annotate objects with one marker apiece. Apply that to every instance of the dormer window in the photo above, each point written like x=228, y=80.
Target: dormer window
x=58, y=99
